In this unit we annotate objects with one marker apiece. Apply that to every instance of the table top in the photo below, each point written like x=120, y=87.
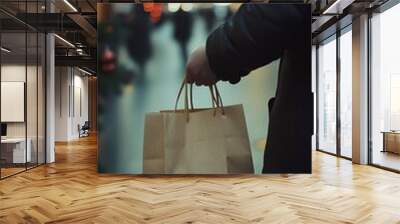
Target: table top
x=391, y=132
x=13, y=140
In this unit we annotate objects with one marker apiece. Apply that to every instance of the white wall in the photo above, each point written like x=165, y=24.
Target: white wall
x=62, y=81
x=33, y=127
x=17, y=73
x=81, y=103
x=71, y=102
x=12, y=73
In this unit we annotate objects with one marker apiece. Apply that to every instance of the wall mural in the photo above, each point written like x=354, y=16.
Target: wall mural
x=203, y=88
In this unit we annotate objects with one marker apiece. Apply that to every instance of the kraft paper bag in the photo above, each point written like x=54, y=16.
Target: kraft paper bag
x=202, y=141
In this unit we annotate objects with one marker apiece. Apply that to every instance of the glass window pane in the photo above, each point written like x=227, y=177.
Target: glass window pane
x=23, y=89
x=327, y=96
x=385, y=84
x=32, y=87
x=41, y=99
x=314, y=90
x=31, y=97
x=13, y=86
x=346, y=94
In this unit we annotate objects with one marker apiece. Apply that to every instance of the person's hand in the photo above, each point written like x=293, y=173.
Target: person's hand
x=108, y=61
x=198, y=70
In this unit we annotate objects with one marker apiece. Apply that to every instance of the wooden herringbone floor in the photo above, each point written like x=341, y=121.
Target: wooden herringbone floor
x=71, y=191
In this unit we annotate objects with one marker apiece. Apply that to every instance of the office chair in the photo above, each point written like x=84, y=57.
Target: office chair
x=84, y=130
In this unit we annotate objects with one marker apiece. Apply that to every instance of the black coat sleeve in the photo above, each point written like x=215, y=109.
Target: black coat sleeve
x=256, y=35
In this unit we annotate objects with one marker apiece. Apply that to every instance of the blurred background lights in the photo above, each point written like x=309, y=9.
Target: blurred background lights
x=187, y=7
x=173, y=7
x=222, y=3
x=148, y=7
x=122, y=8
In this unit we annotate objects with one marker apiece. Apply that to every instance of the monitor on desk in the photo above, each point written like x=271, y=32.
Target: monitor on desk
x=3, y=130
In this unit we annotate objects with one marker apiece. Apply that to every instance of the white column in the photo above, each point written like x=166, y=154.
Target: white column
x=50, y=92
x=62, y=103
x=360, y=90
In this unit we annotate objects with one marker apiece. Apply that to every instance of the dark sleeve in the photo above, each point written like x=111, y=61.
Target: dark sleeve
x=256, y=35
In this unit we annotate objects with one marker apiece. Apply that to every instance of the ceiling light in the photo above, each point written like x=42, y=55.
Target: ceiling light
x=84, y=71
x=65, y=41
x=5, y=50
x=70, y=5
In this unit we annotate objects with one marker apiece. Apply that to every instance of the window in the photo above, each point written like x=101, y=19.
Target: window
x=334, y=106
x=385, y=88
x=327, y=95
x=22, y=77
x=346, y=93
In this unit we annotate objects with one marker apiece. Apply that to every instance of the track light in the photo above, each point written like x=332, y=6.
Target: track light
x=84, y=71
x=70, y=5
x=65, y=41
x=5, y=50
x=337, y=7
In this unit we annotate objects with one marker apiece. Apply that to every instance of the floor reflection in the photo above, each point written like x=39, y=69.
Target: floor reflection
x=386, y=159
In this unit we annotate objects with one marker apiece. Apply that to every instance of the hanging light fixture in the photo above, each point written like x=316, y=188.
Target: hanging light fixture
x=70, y=5
x=85, y=72
x=64, y=40
x=5, y=50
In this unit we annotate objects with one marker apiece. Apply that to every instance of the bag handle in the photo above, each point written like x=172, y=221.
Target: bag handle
x=215, y=98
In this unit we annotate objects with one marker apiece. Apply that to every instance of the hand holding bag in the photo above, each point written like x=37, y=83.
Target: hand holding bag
x=197, y=141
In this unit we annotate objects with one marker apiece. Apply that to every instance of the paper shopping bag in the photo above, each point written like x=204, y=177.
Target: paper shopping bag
x=203, y=141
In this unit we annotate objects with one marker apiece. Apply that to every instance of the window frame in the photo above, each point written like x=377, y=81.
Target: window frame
x=333, y=37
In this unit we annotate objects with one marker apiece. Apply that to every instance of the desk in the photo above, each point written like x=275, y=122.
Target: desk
x=13, y=150
x=391, y=141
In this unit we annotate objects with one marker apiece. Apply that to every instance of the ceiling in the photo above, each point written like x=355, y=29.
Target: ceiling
x=72, y=20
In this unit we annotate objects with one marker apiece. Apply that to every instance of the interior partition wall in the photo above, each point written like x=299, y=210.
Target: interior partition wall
x=334, y=94
x=22, y=76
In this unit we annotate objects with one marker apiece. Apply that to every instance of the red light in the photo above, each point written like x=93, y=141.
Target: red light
x=148, y=7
